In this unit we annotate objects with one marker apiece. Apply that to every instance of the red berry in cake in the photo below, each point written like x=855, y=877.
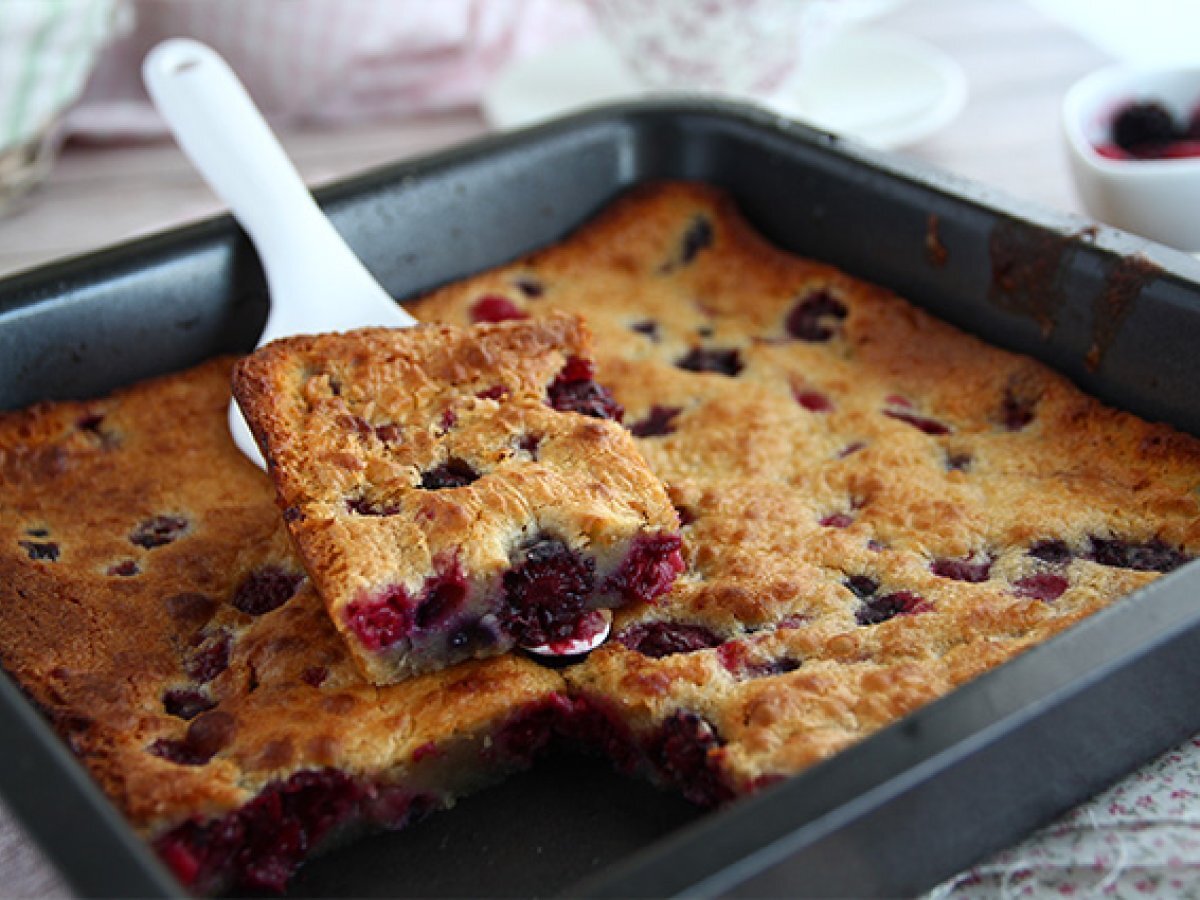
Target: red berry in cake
x=971, y=569
x=875, y=610
x=366, y=506
x=712, y=359
x=1046, y=586
x=493, y=308
x=545, y=592
x=265, y=589
x=659, y=639
x=684, y=752
x=382, y=620
x=649, y=569
x=813, y=401
x=453, y=473
x=124, y=569
x=157, y=531
x=211, y=659
x=575, y=390
x=837, y=520
x=1016, y=412
x=658, y=422
x=816, y=317
x=442, y=598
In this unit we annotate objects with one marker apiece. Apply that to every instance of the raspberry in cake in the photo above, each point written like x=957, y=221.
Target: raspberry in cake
x=458, y=492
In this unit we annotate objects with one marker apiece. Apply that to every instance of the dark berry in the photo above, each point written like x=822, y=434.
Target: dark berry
x=1016, y=412
x=265, y=589
x=261, y=844
x=530, y=443
x=658, y=422
x=125, y=569
x=493, y=308
x=453, y=473
x=441, y=599
x=972, y=570
x=837, y=520
x=1142, y=128
x=40, y=550
x=545, y=592
x=575, y=390
x=851, y=449
x=1046, y=586
x=210, y=660
x=921, y=423
x=366, y=506
x=888, y=606
x=684, y=754
x=207, y=735
x=712, y=359
x=649, y=328
x=686, y=515
x=780, y=666
x=186, y=704
x=659, y=639
x=1057, y=553
x=862, y=586
x=958, y=461
x=649, y=569
x=495, y=392
x=389, y=433
x=530, y=286
x=1151, y=556
x=382, y=620
x=816, y=317
x=157, y=531
x=698, y=236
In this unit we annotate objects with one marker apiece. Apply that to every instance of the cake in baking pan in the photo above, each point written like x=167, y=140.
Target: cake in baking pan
x=456, y=492
x=873, y=508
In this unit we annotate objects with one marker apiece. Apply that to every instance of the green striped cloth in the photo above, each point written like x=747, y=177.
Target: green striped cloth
x=47, y=50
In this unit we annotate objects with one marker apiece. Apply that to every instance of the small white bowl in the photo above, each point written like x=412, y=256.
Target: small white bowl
x=1158, y=199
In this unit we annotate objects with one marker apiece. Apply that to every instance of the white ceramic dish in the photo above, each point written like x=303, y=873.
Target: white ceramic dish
x=884, y=89
x=1158, y=199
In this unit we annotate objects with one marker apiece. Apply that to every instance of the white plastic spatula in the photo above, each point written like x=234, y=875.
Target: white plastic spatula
x=316, y=282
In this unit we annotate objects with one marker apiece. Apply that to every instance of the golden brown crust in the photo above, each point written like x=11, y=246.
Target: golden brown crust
x=352, y=423
x=99, y=650
x=835, y=431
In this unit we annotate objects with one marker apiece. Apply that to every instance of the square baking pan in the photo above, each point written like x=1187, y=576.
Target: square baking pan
x=891, y=816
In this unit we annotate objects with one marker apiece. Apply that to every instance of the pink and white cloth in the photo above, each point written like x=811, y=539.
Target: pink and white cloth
x=329, y=61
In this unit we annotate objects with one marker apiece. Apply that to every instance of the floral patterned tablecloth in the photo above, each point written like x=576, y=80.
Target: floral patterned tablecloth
x=1140, y=838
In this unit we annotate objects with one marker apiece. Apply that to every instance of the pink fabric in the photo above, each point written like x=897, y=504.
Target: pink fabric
x=329, y=61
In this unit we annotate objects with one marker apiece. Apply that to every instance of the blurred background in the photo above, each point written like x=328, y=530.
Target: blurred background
x=973, y=86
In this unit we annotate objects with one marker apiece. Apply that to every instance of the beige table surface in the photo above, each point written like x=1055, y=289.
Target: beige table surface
x=1018, y=65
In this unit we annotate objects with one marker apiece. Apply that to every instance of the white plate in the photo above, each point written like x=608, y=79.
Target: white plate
x=884, y=89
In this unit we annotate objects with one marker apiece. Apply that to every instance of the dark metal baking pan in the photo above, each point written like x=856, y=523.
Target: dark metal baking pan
x=891, y=816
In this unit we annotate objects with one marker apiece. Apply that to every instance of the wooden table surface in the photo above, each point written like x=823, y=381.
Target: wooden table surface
x=1018, y=64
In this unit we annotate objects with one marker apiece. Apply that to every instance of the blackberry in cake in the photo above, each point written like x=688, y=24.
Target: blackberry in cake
x=458, y=492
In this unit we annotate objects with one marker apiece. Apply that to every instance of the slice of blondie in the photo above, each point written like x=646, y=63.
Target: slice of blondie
x=455, y=492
